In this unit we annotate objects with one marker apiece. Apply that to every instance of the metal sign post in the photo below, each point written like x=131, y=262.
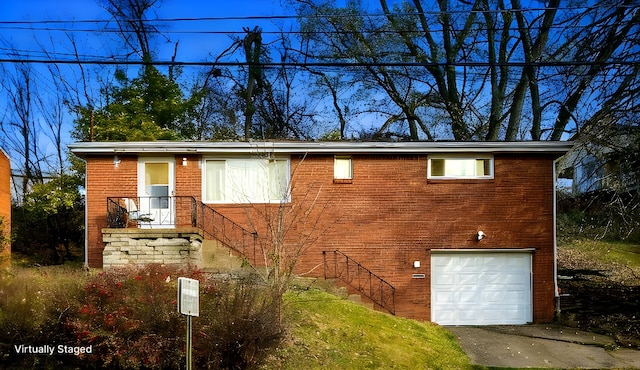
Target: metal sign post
x=189, y=305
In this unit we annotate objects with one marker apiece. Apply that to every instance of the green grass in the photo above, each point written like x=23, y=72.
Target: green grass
x=329, y=332
x=607, y=251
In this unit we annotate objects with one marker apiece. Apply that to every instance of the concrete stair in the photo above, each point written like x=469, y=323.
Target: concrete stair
x=218, y=259
x=342, y=290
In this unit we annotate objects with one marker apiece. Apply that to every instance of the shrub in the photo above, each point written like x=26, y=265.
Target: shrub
x=600, y=215
x=238, y=324
x=129, y=317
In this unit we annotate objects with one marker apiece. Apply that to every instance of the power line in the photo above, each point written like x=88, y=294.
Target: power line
x=327, y=15
x=325, y=64
x=265, y=32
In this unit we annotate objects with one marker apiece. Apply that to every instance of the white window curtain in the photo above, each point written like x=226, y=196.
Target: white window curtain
x=246, y=180
x=459, y=167
x=215, y=180
x=342, y=168
x=278, y=180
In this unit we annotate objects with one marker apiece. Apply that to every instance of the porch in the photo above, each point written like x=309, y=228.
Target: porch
x=174, y=230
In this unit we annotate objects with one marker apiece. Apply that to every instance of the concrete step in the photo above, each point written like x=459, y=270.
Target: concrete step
x=362, y=301
x=217, y=258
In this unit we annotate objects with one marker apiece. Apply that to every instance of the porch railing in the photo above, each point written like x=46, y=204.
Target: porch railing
x=338, y=265
x=181, y=211
x=219, y=227
x=150, y=212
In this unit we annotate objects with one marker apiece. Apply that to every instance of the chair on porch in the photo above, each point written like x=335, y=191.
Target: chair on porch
x=133, y=214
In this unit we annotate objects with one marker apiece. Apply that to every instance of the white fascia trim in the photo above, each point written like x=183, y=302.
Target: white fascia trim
x=485, y=250
x=257, y=148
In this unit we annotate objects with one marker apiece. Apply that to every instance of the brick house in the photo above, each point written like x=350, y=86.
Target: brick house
x=453, y=232
x=5, y=208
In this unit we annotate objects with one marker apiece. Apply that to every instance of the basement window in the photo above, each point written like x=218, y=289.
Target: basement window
x=460, y=167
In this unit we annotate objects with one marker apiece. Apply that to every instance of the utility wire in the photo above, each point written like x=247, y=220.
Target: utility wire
x=328, y=15
x=324, y=64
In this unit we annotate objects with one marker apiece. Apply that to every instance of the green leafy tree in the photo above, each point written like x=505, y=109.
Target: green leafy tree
x=49, y=223
x=146, y=108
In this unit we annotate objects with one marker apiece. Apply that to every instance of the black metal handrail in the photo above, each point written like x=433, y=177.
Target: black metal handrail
x=181, y=211
x=360, y=278
x=217, y=226
x=152, y=212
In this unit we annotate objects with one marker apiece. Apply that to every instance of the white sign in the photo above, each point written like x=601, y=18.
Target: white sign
x=188, y=296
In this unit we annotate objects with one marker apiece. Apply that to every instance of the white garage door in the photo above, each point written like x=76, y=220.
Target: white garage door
x=485, y=288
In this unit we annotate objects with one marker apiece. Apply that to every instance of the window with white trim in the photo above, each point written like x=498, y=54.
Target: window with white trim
x=460, y=167
x=247, y=180
x=342, y=168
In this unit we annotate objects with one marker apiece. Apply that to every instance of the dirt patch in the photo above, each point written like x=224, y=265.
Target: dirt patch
x=599, y=296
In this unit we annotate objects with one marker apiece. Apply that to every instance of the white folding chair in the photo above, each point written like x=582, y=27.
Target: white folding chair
x=134, y=214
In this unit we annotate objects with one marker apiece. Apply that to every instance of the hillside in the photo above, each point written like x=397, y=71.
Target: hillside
x=600, y=285
x=329, y=332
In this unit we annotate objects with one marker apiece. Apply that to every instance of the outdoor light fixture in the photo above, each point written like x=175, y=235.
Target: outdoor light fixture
x=116, y=161
x=184, y=161
x=480, y=235
x=416, y=264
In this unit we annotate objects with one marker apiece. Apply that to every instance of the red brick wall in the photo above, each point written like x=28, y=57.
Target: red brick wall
x=188, y=176
x=391, y=215
x=388, y=217
x=5, y=206
x=105, y=179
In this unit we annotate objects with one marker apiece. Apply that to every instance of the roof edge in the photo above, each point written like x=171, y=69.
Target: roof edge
x=292, y=147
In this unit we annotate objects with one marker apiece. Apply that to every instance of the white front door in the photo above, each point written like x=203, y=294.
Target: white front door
x=481, y=288
x=156, y=188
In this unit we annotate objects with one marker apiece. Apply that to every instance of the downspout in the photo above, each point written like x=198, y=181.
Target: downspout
x=555, y=239
x=85, y=266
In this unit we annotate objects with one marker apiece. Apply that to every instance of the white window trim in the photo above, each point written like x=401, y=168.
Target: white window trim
x=458, y=157
x=343, y=157
x=228, y=201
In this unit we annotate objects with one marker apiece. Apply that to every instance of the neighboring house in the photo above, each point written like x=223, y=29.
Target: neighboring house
x=459, y=233
x=601, y=160
x=5, y=208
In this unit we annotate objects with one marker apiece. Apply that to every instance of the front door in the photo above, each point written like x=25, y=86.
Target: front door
x=156, y=189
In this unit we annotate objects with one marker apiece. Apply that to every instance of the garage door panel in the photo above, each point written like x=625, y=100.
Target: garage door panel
x=481, y=288
x=445, y=279
x=443, y=297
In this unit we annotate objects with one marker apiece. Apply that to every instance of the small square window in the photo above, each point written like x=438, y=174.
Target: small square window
x=342, y=168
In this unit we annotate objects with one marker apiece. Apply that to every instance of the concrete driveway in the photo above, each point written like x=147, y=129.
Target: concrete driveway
x=542, y=346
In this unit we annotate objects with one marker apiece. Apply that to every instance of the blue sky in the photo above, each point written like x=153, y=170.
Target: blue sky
x=192, y=46
x=22, y=41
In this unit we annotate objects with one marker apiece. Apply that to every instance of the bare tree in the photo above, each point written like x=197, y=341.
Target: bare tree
x=287, y=230
x=131, y=17
x=20, y=127
x=480, y=70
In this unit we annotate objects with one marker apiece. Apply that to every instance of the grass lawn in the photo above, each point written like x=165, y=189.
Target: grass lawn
x=329, y=332
x=602, y=283
x=619, y=260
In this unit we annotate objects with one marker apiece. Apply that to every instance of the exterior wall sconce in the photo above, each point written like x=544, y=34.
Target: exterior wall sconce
x=481, y=235
x=184, y=161
x=416, y=264
x=116, y=161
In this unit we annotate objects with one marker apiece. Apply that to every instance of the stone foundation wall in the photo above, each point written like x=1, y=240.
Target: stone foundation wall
x=144, y=246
